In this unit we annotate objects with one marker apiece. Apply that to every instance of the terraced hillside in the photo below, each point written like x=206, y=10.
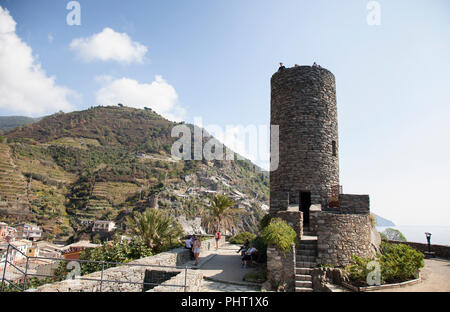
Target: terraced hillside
x=13, y=186
x=107, y=162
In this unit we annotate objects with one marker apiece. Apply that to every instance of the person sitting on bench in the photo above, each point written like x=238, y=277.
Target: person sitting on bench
x=249, y=255
x=243, y=247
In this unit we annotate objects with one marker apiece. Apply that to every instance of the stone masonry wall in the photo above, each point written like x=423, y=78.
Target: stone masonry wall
x=314, y=215
x=281, y=268
x=342, y=235
x=350, y=203
x=279, y=201
x=135, y=274
x=303, y=105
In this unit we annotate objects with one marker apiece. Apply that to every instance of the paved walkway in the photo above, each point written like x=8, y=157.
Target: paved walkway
x=223, y=267
x=435, y=277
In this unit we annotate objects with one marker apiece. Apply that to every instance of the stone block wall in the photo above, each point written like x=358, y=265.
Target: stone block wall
x=342, y=235
x=350, y=203
x=279, y=201
x=281, y=268
x=314, y=214
x=193, y=281
x=134, y=274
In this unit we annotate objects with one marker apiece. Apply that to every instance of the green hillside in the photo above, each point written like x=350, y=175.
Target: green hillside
x=105, y=163
x=8, y=123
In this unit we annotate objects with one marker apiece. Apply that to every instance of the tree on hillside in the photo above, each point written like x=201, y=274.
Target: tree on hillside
x=220, y=213
x=393, y=234
x=156, y=228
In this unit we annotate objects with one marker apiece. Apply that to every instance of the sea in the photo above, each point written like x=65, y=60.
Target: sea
x=440, y=235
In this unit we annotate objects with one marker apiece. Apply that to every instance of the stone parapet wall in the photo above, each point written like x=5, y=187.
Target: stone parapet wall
x=341, y=236
x=441, y=251
x=133, y=274
x=281, y=268
x=193, y=282
x=349, y=203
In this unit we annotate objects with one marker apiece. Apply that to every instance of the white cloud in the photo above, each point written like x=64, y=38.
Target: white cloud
x=24, y=85
x=50, y=38
x=109, y=45
x=158, y=95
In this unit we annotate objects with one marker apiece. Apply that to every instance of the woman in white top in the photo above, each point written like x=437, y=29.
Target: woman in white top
x=197, y=246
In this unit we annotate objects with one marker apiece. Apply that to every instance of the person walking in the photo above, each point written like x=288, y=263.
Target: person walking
x=188, y=245
x=197, y=246
x=218, y=236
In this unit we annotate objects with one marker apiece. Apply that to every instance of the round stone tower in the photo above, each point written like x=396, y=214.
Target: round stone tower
x=303, y=105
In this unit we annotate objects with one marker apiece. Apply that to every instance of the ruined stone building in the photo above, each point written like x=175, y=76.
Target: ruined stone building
x=305, y=189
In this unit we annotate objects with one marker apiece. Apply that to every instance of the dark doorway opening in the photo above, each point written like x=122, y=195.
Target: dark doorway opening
x=305, y=203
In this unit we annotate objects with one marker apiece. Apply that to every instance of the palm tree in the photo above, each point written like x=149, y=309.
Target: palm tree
x=221, y=212
x=156, y=228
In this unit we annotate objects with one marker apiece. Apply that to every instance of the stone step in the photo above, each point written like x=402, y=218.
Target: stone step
x=306, y=252
x=303, y=289
x=306, y=258
x=303, y=284
x=308, y=241
x=306, y=247
x=303, y=277
x=305, y=264
x=303, y=271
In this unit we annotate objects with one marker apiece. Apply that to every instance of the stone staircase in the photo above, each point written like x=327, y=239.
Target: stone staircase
x=306, y=253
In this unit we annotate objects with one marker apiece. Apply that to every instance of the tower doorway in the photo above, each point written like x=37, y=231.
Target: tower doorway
x=305, y=203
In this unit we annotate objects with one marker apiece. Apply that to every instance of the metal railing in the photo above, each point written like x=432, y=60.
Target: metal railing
x=25, y=272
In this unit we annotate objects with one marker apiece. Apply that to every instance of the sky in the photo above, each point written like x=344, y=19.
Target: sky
x=213, y=60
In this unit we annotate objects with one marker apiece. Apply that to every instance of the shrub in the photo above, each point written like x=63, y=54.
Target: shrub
x=241, y=237
x=279, y=233
x=120, y=252
x=261, y=246
x=383, y=236
x=373, y=220
x=357, y=272
x=265, y=221
x=398, y=263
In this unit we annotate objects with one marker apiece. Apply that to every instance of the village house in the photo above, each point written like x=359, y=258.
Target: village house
x=73, y=251
x=28, y=231
x=7, y=233
x=15, y=253
x=104, y=226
